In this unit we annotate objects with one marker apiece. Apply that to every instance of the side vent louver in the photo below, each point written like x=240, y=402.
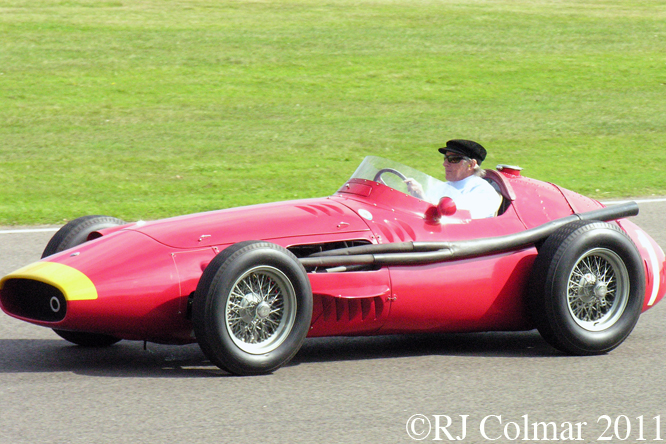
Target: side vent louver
x=349, y=310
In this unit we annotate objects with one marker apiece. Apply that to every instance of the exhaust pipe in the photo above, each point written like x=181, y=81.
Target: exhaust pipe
x=415, y=253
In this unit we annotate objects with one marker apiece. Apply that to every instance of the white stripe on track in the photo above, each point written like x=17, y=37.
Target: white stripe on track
x=29, y=230
x=638, y=201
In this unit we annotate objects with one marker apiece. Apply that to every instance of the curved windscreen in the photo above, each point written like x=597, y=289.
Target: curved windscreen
x=383, y=170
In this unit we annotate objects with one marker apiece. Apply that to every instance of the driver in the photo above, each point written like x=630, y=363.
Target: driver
x=465, y=184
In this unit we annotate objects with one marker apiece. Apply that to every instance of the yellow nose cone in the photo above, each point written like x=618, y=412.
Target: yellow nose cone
x=73, y=284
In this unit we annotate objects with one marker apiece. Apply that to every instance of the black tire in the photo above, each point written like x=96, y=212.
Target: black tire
x=587, y=288
x=252, y=308
x=76, y=232
x=87, y=339
x=70, y=235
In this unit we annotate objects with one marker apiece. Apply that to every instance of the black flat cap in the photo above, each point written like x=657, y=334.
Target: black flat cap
x=467, y=148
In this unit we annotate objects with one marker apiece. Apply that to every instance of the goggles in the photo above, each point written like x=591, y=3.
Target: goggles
x=455, y=158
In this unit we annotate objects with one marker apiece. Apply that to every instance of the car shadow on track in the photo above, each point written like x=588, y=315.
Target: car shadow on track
x=494, y=344
x=124, y=359
x=130, y=359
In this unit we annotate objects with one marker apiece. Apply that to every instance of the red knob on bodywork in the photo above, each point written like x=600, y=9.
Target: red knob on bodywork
x=446, y=207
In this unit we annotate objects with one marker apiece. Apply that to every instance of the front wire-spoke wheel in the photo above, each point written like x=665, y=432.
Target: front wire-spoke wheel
x=260, y=310
x=70, y=235
x=598, y=289
x=252, y=308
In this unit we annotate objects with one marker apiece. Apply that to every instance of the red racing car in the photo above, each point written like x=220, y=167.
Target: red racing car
x=250, y=283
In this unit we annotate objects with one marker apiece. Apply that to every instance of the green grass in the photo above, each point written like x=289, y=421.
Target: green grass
x=144, y=109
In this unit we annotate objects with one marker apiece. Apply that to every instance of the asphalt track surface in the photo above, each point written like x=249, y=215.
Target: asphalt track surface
x=340, y=390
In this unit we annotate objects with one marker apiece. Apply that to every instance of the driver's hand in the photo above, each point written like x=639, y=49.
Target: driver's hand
x=414, y=188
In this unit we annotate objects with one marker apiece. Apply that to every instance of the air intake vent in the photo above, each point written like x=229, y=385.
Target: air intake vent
x=352, y=309
x=35, y=300
x=347, y=316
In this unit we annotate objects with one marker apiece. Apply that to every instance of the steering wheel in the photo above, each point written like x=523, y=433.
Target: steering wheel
x=378, y=176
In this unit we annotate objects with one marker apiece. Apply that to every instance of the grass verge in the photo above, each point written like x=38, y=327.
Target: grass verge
x=147, y=109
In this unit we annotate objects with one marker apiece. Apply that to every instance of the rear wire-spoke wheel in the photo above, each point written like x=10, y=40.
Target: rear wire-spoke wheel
x=587, y=288
x=598, y=289
x=252, y=308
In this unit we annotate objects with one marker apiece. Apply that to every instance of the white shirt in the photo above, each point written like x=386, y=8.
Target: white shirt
x=472, y=194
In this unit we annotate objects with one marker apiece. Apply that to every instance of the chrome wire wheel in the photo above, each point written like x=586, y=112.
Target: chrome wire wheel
x=587, y=288
x=598, y=289
x=260, y=311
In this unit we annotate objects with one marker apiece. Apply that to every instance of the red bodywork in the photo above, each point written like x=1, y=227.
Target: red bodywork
x=146, y=273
